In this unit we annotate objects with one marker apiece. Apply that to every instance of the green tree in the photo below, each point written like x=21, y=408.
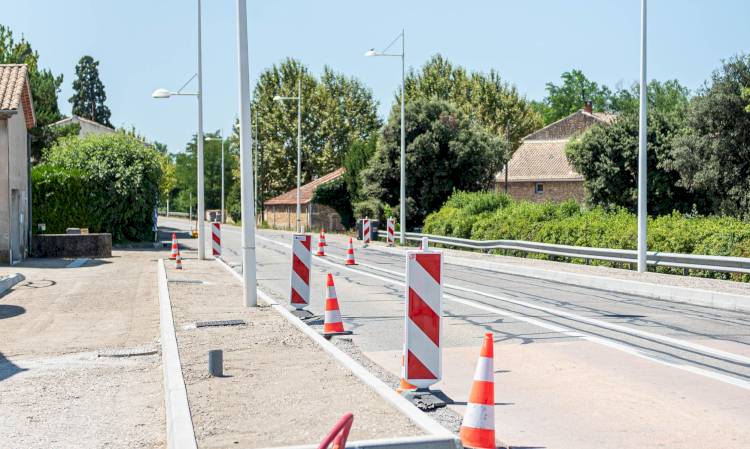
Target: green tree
x=712, y=155
x=570, y=96
x=336, y=111
x=89, y=97
x=607, y=157
x=122, y=175
x=668, y=97
x=445, y=152
x=492, y=102
x=186, y=172
x=357, y=158
x=44, y=89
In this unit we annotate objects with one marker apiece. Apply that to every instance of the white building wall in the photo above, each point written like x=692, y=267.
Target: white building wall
x=14, y=144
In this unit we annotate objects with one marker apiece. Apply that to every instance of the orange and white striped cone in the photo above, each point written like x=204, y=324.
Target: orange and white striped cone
x=478, y=427
x=178, y=262
x=350, y=254
x=332, y=324
x=321, y=247
x=403, y=385
x=323, y=237
x=175, y=247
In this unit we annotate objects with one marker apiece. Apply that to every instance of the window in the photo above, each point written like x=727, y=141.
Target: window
x=539, y=188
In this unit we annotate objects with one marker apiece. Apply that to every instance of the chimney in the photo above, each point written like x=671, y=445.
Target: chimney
x=588, y=107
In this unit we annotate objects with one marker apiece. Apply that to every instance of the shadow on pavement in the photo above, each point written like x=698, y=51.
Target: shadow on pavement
x=8, y=368
x=9, y=311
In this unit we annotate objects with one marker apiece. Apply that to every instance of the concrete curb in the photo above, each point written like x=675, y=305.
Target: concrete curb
x=423, y=421
x=7, y=282
x=180, y=432
x=429, y=442
x=686, y=295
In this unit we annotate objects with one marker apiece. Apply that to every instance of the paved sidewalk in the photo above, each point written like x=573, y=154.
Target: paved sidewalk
x=280, y=388
x=55, y=389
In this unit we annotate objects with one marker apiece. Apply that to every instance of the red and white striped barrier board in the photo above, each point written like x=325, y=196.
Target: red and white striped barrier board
x=366, y=232
x=390, y=234
x=216, y=238
x=423, y=316
x=301, y=264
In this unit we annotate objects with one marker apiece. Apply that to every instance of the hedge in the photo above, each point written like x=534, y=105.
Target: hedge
x=115, y=186
x=494, y=216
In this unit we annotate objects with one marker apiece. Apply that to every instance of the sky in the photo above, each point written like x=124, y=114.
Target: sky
x=147, y=44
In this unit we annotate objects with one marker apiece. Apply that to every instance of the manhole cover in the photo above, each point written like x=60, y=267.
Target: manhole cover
x=220, y=323
x=128, y=352
x=186, y=281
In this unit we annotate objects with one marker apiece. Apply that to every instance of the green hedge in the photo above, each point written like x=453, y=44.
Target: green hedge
x=494, y=216
x=61, y=200
x=114, y=186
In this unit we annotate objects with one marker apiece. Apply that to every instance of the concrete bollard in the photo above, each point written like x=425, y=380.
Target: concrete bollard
x=216, y=362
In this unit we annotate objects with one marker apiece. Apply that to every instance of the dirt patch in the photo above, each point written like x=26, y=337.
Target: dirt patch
x=55, y=390
x=280, y=388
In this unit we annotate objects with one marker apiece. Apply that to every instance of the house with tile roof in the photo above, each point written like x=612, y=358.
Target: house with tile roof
x=86, y=126
x=539, y=169
x=281, y=212
x=16, y=118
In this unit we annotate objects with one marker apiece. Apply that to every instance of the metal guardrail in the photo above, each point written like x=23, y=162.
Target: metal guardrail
x=657, y=259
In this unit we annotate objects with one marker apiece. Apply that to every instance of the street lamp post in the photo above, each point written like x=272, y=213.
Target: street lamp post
x=372, y=52
x=164, y=93
x=299, y=141
x=642, y=152
x=249, y=284
x=221, y=138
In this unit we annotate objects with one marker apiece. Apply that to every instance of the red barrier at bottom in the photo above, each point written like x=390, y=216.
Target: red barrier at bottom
x=339, y=433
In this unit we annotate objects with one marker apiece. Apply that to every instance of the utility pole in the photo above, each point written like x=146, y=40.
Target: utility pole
x=249, y=284
x=642, y=152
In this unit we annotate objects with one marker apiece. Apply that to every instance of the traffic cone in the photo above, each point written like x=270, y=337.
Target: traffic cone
x=178, y=263
x=332, y=324
x=175, y=248
x=478, y=427
x=321, y=246
x=403, y=384
x=323, y=236
x=350, y=254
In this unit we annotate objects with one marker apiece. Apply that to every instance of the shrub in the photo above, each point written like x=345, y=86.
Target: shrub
x=122, y=176
x=492, y=216
x=61, y=199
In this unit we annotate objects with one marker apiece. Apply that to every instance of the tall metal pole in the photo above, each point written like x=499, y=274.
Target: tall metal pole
x=223, y=211
x=403, y=141
x=201, y=205
x=299, y=146
x=255, y=161
x=642, y=151
x=249, y=287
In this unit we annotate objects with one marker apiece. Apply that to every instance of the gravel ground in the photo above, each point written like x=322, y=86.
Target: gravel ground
x=55, y=391
x=279, y=389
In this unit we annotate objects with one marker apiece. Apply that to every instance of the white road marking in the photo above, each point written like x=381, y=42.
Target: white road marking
x=592, y=338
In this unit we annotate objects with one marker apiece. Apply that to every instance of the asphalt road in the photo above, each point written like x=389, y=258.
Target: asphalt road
x=575, y=367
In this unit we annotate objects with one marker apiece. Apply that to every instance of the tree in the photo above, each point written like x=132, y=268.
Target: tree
x=712, y=155
x=122, y=177
x=44, y=89
x=89, y=97
x=492, y=102
x=668, y=97
x=357, y=158
x=571, y=95
x=336, y=111
x=607, y=157
x=445, y=152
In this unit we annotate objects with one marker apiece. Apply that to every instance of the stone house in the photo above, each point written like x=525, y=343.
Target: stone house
x=16, y=118
x=87, y=126
x=539, y=169
x=281, y=211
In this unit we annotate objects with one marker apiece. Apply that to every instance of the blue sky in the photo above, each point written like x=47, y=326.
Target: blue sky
x=144, y=44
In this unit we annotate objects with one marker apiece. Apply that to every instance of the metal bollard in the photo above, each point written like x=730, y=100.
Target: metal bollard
x=425, y=244
x=216, y=363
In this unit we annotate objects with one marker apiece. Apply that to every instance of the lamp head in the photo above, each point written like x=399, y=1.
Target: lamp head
x=371, y=52
x=277, y=98
x=161, y=93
